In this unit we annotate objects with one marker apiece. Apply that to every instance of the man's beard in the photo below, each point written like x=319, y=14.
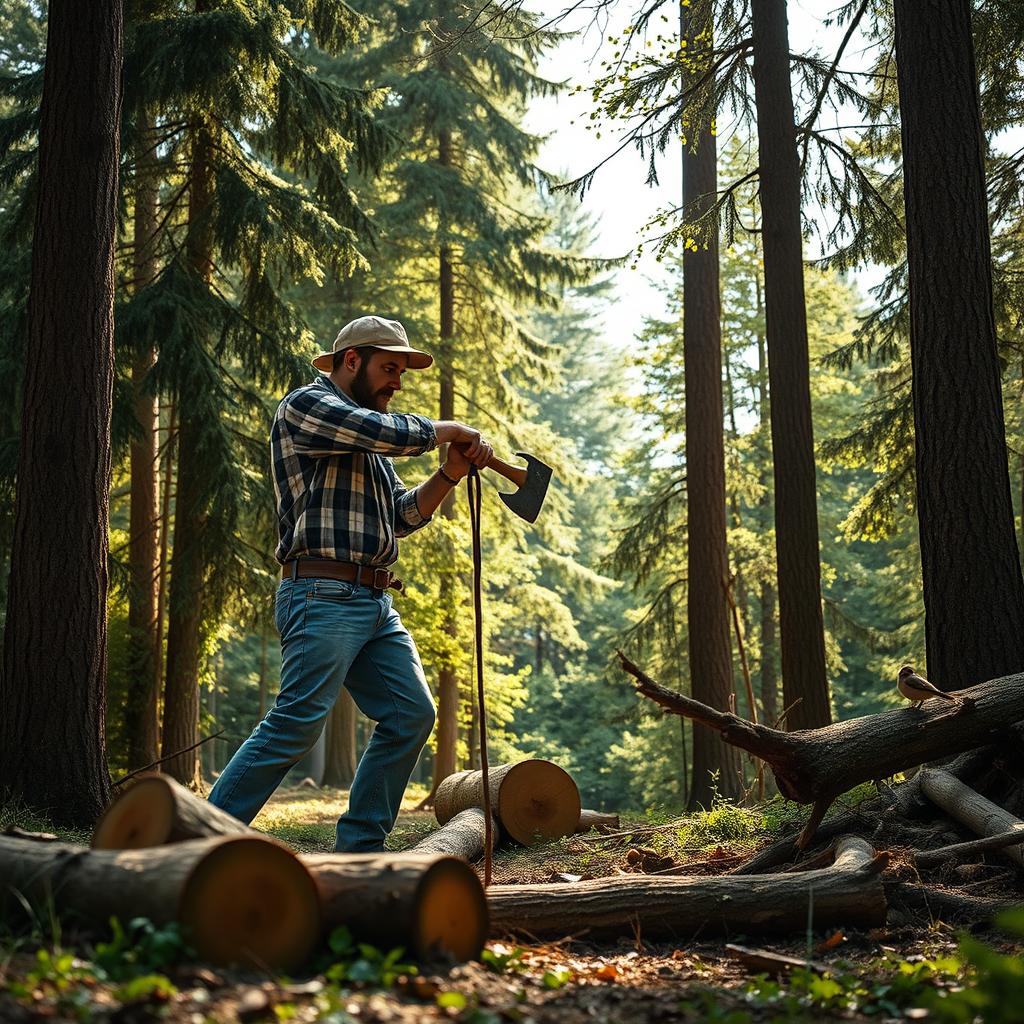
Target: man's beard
x=365, y=395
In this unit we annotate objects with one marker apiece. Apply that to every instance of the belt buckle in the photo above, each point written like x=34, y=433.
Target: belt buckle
x=384, y=576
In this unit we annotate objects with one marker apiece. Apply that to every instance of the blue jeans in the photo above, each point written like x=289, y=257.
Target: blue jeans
x=335, y=634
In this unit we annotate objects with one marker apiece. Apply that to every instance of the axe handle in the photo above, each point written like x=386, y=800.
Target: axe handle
x=511, y=473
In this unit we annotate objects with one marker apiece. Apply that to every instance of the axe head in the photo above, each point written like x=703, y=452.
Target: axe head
x=527, y=500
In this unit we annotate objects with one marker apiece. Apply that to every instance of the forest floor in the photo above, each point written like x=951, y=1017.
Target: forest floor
x=920, y=970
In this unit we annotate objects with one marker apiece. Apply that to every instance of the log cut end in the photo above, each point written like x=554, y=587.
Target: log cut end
x=141, y=816
x=252, y=901
x=538, y=801
x=452, y=915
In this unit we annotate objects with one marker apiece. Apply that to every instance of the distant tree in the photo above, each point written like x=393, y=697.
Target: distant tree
x=52, y=752
x=971, y=574
x=802, y=644
x=715, y=764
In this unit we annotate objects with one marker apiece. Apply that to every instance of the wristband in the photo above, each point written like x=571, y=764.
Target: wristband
x=454, y=483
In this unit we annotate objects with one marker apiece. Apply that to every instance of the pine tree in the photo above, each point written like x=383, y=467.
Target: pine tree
x=707, y=610
x=463, y=244
x=54, y=658
x=973, y=586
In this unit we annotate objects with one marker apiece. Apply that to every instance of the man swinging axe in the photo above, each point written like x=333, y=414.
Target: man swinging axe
x=341, y=508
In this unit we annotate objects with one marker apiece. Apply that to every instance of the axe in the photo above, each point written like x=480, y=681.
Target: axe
x=532, y=483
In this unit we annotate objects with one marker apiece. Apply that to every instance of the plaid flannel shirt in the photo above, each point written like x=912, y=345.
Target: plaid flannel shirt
x=338, y=495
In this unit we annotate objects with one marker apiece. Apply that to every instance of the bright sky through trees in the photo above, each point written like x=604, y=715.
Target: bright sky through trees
x=619, y=199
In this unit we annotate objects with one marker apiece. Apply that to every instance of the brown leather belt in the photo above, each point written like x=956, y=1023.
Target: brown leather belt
x=349, y=572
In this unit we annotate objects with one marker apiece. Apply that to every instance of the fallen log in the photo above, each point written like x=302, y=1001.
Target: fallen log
x=816, y=765
x=963, y=804
x=849, y=892
x=156, y=810
x=240, y=900
x=463, y=836
x=933, y=858
x=936, y=904
x=597, y=819
x=533, y=800
x=428, y=903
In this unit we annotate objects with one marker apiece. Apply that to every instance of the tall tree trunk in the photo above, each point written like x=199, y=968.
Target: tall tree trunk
x=52, y=687
x=796, y=516
x=971, y=574
x=141, y=722
x=340, y=755
x=708, y=630
x=170, y=443
x=447, y=683
x=769, y=680
x=188, y=560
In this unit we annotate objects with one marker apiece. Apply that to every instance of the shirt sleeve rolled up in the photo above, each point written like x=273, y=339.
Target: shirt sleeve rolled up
x=323, y=425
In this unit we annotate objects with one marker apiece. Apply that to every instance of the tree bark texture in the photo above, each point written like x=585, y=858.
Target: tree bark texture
x=971, y=574
x=429, y=903
x=188, y=560
x=141, y=707
x=244, y=899
x=52, y=687
x=816, y=765
x=341, y=755
x=715, y=765
x=447, y=683
x=463, y=836
x=970, y=808
x=849, y=892
x=801, y=629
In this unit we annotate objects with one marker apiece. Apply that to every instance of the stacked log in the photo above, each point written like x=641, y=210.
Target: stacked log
x=534, y=801
x=430, y=903
x=242, y=899
x=156, y=810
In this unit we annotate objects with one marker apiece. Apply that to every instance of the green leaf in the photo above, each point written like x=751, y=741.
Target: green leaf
x=452, y=1000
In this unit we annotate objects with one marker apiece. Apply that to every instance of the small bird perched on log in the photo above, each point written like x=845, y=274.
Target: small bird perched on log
x=918, y=689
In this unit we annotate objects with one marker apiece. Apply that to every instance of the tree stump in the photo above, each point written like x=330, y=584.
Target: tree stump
x=428, y=903
x=156, y=810
x=241, y=899
x=534, y=800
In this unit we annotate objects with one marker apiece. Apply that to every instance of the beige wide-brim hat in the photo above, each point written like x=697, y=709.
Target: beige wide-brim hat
x=374, y=332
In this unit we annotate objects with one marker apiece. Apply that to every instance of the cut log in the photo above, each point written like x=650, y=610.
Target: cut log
x=534, y=800
x=815, y=765
x=963, y=804
x=156, y=810
x=598, y=820
x=241, y=899
x=464, y=836
x=428, y=903
x=849, y=892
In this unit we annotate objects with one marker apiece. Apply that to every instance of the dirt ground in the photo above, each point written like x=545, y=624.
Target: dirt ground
x=916, y=970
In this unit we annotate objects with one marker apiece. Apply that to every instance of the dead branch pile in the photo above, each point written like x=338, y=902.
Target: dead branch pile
x=977, y=742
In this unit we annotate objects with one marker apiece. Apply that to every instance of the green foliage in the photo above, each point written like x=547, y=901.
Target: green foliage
x=361, y=964
x=140, y=950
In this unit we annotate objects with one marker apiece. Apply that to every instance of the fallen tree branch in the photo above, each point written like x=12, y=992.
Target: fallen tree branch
x=815, y=765
x=167, y=757
x=763, y=961
x=849, y=892
x=970, y=808
x=932, y=858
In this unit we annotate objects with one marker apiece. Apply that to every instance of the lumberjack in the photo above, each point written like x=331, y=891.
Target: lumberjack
x=341, y=509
